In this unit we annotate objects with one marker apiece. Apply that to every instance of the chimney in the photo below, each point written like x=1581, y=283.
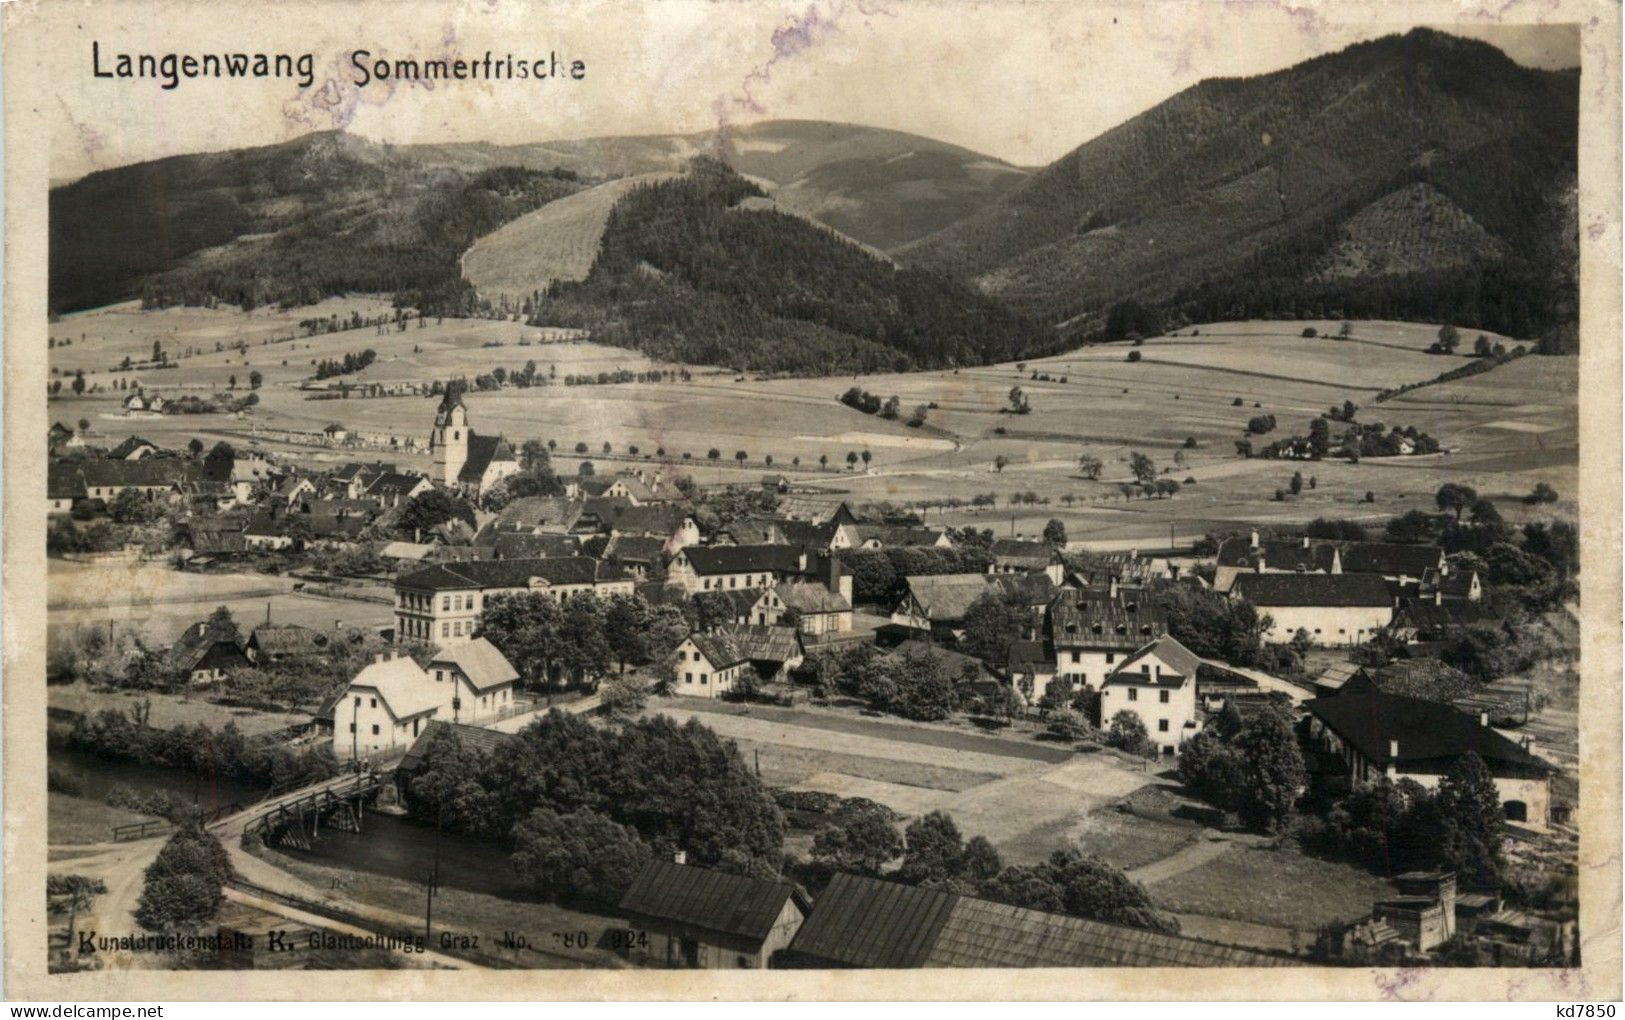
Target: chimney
x=201, y=628
x=1393, y=748
x=832, y=574
x=378, y=657
x=679, y=857
x=1438, y=596
x=1306, y=541
x=1483, y=718
x=1255, y=540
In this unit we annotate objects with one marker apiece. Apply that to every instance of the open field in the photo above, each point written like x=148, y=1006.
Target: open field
x=1504, y=430
x=1282, y=888
x=159, y=602
x=168, y=711
x=77, y=820
x=1028, y=806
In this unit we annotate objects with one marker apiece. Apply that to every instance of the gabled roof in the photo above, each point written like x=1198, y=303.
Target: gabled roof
x=567, y=570
x=1278, y=555
x=533, y=547
x=284, y=639
x=944, y=598
x=869, y=922
x=710, y=560
x=479, y=660
x=1458, y=584
x=701, y=899
x=396, y=483
x=1030, y=657
x=719, y=649
x=1390, y=558
x=1168, y=650
x=129, y=446
x=636, y=549
x=810, y=597
x=1337, y=674
x=1427, y=731
x=764, y=643
x=530, y=512
x=474, y=738
x=1446, y=616
x=796, y=532
x=661, y=519
x=148, y=472
x=897, y=536
x=1339, y=590
x=483, y=451
x=1077, y=621
x=404, y=688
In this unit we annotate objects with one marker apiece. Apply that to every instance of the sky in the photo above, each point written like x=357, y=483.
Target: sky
x=1023, y=81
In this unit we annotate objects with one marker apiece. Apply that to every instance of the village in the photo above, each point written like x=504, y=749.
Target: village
x=768, y=720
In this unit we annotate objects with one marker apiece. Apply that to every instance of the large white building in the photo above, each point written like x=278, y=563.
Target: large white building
x=390, y=702
x=1158, y=684
x=1332, y=609
x=443, y=604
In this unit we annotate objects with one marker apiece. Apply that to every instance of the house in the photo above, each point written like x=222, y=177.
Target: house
x=482, y=681
x=1091, y=637
x=1158, y=684
x=642, y=556
x=539, y=515
x=1334, y=677
x=1395, y=561
x=1436, y=620
x=709, y=665
x=205, y=655
x=772, y=651
x=1369, y=734
x=1238, y=556
x=1014, y=556
x=722, y=568
x=465, y=461
x=1031, y=666
x=887, y=536
x=138, y=402
x=336, y=432
x=1333, y=609
x=279, y=642
x=526, y=547
x=249, y=473
x=64, y=487
x=817, y=610
x=803, y=508
x=1455, y=586
x=385, y=707
x=700, y=918
x=57, y=435
x=156, y=478
x=443, y=603
x=673, y=524
x=872, y=923
x=133, y=448
x=393, y=488
x=294, y=488
x=937, y=603
x=473, y=738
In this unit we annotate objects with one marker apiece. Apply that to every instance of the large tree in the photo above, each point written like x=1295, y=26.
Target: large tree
x=863, y=839
x=1272, y=771
x=580, y=854
x=1472, y=824
x=994, y=620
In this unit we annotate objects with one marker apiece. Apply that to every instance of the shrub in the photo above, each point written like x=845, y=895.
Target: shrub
x=580, y=854
x=1133, y=355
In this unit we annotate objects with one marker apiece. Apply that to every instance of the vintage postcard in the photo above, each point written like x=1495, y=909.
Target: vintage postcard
x=772, y=500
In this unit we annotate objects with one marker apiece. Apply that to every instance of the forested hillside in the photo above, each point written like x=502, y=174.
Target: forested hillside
x=291, y=223
x=684, y=274
x=1274, y=195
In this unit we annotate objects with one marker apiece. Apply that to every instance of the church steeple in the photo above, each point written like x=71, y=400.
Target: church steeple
x=449, y=440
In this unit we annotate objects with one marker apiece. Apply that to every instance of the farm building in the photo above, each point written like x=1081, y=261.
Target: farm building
x=1333, y=609
x=870, y=922
x=204, y=655
x=1368, y=734
x=700, y=918
x=279, y=642
x=817, y=609
x=1239, y=556
x=708, y=665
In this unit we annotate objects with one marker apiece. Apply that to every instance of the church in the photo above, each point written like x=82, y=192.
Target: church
x=465, y=461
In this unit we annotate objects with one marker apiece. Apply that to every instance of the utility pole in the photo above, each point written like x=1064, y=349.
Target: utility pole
x=431, y=886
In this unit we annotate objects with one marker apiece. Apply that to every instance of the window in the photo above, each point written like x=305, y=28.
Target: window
x=374, y=703
x=702, y=679
x=439, y=675
x=688, y=678
x=682, y=656
x=1162, y=696
x=1162, y=726
x=1109, y=658
x=357, y=702
x=352, y=727
x=375, y=729
x=445, y=602
x=733, y=582
x=445, y=630
x=1077, y=656
x=1134, y=694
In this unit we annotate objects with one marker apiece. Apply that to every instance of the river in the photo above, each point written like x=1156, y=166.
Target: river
x=387, y=845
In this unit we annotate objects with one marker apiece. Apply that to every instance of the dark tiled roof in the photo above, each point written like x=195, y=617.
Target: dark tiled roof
x=807, y=533
x=711, y=901
x=1390, y=558
x=482, y=451
x=1102, y=623
x=475, y=738
x=149, y=472
x=1313, y=590
x=129, y=446
x=866, y=922
x=662, y=519
x=534, y=547
x=869, y=922
x=811, y=597
x=743, y=559
x=719, y=649
x=1167, y=649
x=636, y=549
x=287, y=639
x=395, y=483
x=1278, y=555
x=510, y=573
x=1031, y=657
x=1014, y=549
x=1426, y=731
x=765, y=643
x=64, y=481
x=1446, y=616
x=530, y=512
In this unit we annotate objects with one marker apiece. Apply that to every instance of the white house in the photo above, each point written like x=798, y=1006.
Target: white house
x=1158, y=684
x=708, y=665
x=481, y=681
x=385, y=707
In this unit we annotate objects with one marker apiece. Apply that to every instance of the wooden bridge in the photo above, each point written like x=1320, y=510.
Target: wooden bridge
x=296, y=820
